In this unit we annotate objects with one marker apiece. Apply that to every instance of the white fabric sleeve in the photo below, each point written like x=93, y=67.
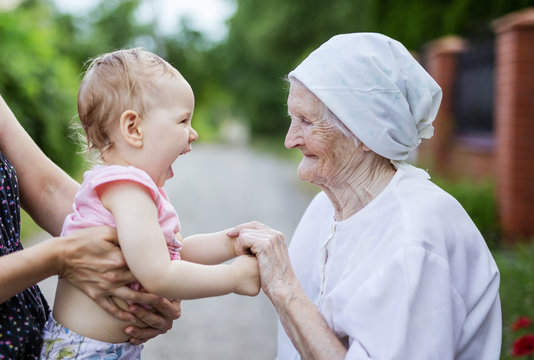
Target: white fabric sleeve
x=405, y=310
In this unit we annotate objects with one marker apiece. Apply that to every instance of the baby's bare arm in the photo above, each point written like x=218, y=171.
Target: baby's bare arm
x=144, y=248
x=208, y=249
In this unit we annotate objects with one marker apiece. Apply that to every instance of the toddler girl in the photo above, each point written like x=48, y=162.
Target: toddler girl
x=136, y=110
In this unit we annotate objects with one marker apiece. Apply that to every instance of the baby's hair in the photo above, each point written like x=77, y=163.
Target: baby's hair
x=113, y=83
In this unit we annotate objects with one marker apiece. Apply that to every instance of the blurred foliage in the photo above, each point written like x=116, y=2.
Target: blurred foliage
x=38, y=81
x=198, y=61
x=517, y=289
x=479, y=201
x=111, y=25
x=43, y=52
x=41, y=59
x=269, y=38
x=28, y=228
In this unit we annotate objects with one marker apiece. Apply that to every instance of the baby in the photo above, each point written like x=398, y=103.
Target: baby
x=136, y=110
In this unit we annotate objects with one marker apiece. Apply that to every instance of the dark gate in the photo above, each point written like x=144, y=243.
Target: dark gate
x=473, y=95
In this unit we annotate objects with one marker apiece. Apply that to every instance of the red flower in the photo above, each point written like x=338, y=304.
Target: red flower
x=522, y=322
x=524, y=345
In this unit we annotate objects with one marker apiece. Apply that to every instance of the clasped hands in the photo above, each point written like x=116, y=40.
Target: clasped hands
x=270, y=249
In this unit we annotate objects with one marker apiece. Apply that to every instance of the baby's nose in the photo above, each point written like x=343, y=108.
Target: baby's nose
x=193, y=135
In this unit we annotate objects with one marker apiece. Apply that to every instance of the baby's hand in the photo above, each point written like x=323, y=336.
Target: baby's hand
x=248, y=276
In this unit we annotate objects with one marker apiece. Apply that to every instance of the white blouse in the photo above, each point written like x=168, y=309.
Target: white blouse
x=407, y=277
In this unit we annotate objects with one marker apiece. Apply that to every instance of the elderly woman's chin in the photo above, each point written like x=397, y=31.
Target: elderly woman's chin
x=308, y=170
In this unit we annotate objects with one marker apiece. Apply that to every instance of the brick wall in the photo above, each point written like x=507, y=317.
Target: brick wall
x=508, y=155
x=514, y=116
x=447, y=154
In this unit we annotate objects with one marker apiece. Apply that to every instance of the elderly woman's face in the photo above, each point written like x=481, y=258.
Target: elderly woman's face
x=328, y=154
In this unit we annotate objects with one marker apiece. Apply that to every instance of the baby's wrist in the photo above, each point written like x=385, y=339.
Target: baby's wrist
x=234, y=275
x=234, y=247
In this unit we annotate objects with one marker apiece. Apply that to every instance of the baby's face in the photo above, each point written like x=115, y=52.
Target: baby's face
x=167, y=130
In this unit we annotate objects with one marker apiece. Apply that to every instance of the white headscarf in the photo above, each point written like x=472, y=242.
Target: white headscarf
x=376, y=88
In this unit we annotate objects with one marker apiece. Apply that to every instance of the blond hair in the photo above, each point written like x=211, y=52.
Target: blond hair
x=113, y=83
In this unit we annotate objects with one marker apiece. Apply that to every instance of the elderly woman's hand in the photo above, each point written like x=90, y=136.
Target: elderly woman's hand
x=300, y=318
x=269, y=247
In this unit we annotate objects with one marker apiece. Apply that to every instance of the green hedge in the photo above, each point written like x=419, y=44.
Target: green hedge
x=478, y=199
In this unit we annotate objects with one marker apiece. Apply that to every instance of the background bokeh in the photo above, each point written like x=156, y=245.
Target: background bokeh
x=237, y=74
x=237, y=71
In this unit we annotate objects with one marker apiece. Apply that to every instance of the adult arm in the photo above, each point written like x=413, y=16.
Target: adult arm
x=22, y=269
x=136, y=217
x=46, y=191
x=300, y=318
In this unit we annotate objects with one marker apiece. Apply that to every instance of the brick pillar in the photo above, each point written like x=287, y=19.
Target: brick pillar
x=514, y=122
x=441, y=62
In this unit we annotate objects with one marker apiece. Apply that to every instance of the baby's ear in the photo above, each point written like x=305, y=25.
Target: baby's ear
x=130, y=128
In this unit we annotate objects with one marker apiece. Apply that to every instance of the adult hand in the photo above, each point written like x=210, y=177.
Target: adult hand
x=301, y=319
x=269, y=247
x=92, y=261
x=159, y=322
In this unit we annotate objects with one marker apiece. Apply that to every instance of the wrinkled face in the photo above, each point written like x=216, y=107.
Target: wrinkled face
x=167, y=125
x=328, y=154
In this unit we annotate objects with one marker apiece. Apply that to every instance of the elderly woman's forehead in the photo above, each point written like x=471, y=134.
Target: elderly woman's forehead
x=300, y=95
x=297, y=86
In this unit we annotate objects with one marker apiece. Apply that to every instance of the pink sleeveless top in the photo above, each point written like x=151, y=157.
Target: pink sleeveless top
x=89, y=211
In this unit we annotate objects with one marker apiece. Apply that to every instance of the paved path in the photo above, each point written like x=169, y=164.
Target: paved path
x=216, y=187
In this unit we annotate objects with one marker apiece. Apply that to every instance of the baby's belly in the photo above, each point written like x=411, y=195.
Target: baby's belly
x=79, y=313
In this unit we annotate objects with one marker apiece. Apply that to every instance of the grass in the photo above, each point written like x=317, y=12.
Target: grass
x=28, y=227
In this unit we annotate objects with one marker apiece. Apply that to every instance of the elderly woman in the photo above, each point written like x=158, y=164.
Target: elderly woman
x=384, y=264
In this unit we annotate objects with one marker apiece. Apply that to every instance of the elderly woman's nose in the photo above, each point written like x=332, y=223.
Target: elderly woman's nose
x=293, y=138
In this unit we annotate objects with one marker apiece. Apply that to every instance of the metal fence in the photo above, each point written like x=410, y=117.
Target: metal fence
x=473, y=95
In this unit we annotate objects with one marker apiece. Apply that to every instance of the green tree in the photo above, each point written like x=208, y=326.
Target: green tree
x=41, y=62
x=36, y=79
x=193, y=55
x=268, y=38
x=109, y=26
